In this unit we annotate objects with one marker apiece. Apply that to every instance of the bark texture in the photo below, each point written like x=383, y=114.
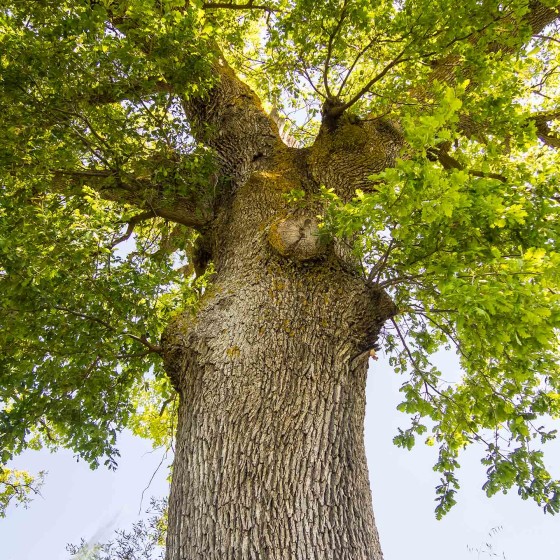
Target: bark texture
x=271, y=371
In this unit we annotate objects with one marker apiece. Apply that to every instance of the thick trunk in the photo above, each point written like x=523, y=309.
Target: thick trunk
x=271, y=372
x=270, y=458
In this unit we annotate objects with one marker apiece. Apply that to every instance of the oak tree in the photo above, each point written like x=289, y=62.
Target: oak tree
x=214, y=213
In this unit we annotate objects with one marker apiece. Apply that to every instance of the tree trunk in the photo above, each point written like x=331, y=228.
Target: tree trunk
x=271, y=371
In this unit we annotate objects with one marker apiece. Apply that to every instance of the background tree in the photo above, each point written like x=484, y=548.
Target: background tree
x=18, y=487
x=143, y=542
x=296, y=179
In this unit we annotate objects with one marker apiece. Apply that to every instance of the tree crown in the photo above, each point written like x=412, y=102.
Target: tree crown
x=113, y=136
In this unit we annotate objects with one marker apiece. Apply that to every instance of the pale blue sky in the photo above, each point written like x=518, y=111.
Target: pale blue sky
x=79, y=503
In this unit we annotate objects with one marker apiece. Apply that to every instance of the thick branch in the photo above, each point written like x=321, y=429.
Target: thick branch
x=540, y=16
x=544, y=132
x=449, y=162
x=165, y=200
x=230, y=119
x=537, y=18
x=546, y=135
x=227, y=116
x=348, y=151
x=442, y=69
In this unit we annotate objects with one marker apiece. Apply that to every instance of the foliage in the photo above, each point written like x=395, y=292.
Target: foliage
x=472, y=264
x=73, y=313
x=96, y=150
x=17, y=486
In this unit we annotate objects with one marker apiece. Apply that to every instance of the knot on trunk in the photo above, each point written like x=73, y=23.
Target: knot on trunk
x=296, y=237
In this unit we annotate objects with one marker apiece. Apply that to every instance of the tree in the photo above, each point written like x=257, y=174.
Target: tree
x=294, y=180
x=18, y=487
x=144, y=542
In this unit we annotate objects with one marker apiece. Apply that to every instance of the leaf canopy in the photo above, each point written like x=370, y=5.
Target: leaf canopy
x=97, y=154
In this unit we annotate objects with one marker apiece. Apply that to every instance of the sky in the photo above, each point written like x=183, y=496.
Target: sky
x=79, y=503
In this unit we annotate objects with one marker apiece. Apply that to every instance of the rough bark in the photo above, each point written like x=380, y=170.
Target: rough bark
x=271, y=367
x=271, y=373
x=230, y=119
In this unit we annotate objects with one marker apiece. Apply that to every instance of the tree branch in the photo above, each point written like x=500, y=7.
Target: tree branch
x=141, y=339
x=379, y=266
x=544, y=132
x=537, y=18
x=338, y=109
x=368, y=46
x=332, y=37
x=132, y=223
x=117, y=91
x=547, y=38
x=414, y=363
x=230, y=119
x=449, y=162
x=540, y=16
x=227, y=116
x=162, y=197
x=247, y=6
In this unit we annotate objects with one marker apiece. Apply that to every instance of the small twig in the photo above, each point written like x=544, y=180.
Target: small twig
x=354, y=62
x=414, y=363
x=306, y=75
x=339, y=109
x=132, y=223
x=132, y=355
x=380, y=264
x=142, y=339
x=547, y=38
x=399, y=279
x=446, y=330
x=151, y=480
x=332, y=37
x=18, y=487
x=48, y=432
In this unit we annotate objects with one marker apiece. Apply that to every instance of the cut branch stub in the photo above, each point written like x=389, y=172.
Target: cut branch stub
x=297, y=237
